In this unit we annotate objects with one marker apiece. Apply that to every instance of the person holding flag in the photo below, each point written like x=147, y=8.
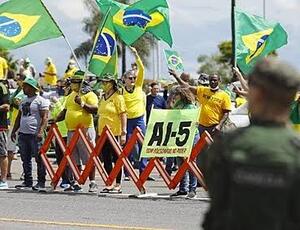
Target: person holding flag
x=112, y=113
x=79, y=108
x=135, y=100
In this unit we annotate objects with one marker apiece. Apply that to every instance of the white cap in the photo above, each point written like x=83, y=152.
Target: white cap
x=27, y=60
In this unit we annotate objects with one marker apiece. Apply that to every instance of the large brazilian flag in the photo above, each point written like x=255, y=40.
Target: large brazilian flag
x=255, y=39
x=132, y=21
x=104, y=58
x=23, y=22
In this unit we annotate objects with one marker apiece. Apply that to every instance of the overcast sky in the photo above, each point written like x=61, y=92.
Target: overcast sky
x=197, y=26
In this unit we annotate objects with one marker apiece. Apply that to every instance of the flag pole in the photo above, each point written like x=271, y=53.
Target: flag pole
x=233, y=33
x=100, y=30
x=66, y=39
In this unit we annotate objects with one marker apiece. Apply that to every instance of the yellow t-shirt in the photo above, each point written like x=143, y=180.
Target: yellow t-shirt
x=212, y=105
x=240, y=101
x=109, y=113
x=76, y=115
x=3, y=67
x=135, y=101
x=70, y=73
x=50, y=75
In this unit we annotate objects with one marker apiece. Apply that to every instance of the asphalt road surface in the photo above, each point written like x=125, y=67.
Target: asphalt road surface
x=61, y=210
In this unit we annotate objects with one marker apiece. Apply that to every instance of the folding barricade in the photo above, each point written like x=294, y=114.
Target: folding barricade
x=94, y=160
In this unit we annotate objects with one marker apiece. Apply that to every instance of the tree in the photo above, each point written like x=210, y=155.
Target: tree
x=83, y=51
x=212, y=65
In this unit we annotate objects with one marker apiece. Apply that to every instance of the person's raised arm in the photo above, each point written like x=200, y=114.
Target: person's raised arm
x=182, y=83
x=240, y=77
x=141, y=68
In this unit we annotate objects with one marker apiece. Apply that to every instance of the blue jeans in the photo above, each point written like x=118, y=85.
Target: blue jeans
x=188, y=182
x=131, y=125
x=29, y=146
x=169, y=164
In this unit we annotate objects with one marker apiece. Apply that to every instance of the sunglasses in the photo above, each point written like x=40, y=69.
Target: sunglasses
x=131, y=78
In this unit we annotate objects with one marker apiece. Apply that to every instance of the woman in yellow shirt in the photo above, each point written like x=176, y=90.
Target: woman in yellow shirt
x=136, y=107
x=112, y=113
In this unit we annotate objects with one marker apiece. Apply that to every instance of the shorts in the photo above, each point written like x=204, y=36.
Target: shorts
x=12, y=146
x=3, y=144
x=80, y=152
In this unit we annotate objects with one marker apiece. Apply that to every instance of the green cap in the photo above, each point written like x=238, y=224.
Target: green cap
x=107, y=77
x=32, y=82
x=78, y=76
x=273, y=73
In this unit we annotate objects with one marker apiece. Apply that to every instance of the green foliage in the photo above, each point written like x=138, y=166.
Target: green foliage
x=212, y=65
x=9, y=58
x=225, y=49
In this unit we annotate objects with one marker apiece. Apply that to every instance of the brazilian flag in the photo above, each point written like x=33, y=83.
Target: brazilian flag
x=132, y=21
x=255, y=39
x=23, y=22
x=104, y=58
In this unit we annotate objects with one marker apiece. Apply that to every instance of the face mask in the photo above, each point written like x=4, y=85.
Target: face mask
x=107, y=87
x=75, y=87
x=71, y=66
x=214, y=89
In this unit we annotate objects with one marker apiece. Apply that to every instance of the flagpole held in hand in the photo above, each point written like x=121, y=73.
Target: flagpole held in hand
x=64, y=36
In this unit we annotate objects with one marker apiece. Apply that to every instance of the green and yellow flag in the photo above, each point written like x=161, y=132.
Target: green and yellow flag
x=255, y=39
x=104, y=57
x=23, y=22
x=132, y=21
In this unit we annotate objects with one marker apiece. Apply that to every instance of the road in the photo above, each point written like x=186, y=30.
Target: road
x=60, y=210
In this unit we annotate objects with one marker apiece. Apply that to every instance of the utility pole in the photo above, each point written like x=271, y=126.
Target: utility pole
x=233, y=32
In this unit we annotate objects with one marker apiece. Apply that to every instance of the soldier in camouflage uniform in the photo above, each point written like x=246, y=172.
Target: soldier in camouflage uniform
x=253, y=173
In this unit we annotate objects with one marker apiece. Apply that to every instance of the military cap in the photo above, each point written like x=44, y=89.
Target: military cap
x=273, y=73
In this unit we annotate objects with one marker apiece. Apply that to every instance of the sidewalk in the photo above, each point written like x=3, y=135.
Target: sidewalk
x=154, y=189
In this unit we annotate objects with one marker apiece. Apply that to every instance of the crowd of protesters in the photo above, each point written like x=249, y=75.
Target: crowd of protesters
x=121, y=104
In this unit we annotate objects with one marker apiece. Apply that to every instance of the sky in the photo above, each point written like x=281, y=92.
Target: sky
x=197, y=26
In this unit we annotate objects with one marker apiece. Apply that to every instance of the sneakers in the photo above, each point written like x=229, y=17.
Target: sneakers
x=39, y=187
x=3, y=185
x=126, y=178
x=23, y=186
x=191, y=195
x=179, y=194
x=64, y=185
x=93, y=187
x=73, y=188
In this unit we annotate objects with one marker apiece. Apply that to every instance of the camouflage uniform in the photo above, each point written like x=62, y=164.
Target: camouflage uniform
x=253, y=175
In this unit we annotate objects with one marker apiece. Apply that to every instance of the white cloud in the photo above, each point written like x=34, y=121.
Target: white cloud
x=73, y=9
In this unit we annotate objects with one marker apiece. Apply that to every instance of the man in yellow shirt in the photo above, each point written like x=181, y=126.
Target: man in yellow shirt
x=215, y=104
x=135, y=100
x=3, y=68
x=49, y=73
x=79, y=108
